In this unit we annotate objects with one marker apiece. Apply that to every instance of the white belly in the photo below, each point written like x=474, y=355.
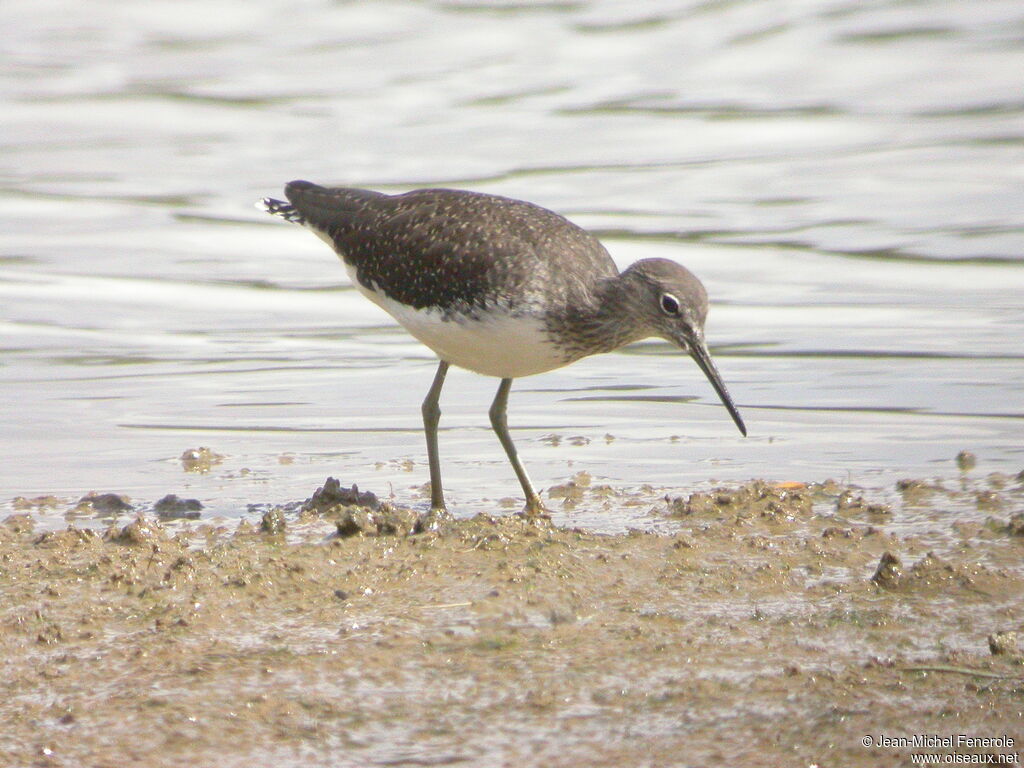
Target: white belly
x=497, y=345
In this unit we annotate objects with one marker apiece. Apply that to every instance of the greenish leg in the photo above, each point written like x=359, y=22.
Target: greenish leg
x=431, y=418
x=499, y=422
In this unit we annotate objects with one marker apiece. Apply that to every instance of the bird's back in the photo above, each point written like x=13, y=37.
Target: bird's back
x=453, y=250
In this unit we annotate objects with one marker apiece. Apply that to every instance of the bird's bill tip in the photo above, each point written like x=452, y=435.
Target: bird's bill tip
x=739, y=423
x=700, y=354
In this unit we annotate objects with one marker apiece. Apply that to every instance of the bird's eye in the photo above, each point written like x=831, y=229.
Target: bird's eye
x=669, y=304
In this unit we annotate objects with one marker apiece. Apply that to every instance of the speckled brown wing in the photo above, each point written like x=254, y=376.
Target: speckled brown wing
x=454, y=250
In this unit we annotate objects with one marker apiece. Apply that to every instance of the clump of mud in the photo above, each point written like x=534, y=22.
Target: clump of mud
x=361, y=513
x=332, y=495
x=36, y=502
x=759, y=499
x=1015, y=525
x=273, y=521
x=889, y=573
x=386, y=520
x=1006, y=643
x=103, y=503
x=172, y=507
x=141, y=532
x=853, y=503
x=200, y=460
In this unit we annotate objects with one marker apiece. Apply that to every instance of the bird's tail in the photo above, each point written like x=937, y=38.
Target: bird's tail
x=280, y=208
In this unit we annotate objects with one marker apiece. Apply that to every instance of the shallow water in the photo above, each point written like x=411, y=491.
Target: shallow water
x=847, y=178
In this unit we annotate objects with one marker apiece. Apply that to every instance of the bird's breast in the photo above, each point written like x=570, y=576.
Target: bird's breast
x=496, y=341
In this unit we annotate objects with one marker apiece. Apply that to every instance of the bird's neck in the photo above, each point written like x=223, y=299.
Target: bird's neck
x=601, y=321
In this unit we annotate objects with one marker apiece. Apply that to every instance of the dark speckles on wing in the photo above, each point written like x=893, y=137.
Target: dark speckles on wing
x=456, y=251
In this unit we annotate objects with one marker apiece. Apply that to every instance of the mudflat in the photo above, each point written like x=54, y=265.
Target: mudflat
x=762, y=633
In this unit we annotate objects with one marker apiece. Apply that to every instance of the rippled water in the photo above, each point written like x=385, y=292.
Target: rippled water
x=846, y=177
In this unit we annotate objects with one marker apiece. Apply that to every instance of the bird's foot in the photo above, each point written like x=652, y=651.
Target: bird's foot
x=535, y=511
x=434, y=519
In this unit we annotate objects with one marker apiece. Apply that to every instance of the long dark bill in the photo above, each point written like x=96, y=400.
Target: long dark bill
x=701, y=356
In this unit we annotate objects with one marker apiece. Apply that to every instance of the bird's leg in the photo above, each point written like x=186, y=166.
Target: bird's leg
x=431, y=417
x=499, y=422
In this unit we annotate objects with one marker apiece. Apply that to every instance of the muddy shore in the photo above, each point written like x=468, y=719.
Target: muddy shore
x=763, y=633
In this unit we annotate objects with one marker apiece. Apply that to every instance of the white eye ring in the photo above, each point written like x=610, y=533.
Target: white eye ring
x=669, y=304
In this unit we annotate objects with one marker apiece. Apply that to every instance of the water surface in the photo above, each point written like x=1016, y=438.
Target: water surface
x=846, y=177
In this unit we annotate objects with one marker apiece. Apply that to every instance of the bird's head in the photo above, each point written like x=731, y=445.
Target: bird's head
x=672, y=303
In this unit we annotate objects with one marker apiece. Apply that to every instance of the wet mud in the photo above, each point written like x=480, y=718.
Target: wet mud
x=349, y=632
